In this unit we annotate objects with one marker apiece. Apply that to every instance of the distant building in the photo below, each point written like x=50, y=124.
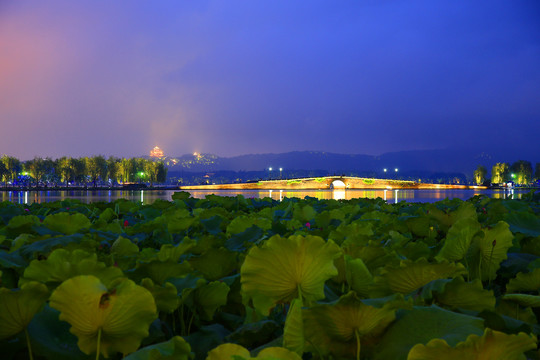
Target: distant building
x=156, y=152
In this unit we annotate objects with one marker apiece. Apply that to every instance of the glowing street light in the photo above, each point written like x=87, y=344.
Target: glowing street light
x=280, y=170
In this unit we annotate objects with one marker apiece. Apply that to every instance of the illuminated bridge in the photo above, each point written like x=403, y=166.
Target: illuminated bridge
x=324, y=183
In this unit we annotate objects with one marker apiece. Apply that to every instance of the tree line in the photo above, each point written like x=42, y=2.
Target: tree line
x=95, y=170
x=520, y=172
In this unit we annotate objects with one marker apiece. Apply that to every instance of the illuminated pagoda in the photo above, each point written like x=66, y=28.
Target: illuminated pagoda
x=156, y=152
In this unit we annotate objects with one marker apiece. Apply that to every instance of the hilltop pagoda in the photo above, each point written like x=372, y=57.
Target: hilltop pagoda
x=156, y=152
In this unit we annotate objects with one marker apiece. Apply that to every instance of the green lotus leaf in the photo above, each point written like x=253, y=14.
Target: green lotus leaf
x=458, y=239
x=62, y=264
x=22, y=240
x=67, y=223
x=304, y=213
x=465, y=210
x=415, y=250
x=105, y=320
x=277, y=353
x=487, y=252
x=18, y=307
x=410, y=276
x=358, y=276
x=283, y=267
x=523, y=299
x=337, y=329
x=422, y=324
x=227, y=351
x=293, y=332
x=466, y=295
x=373, y=254
x=166, y=297
x=175, y=349
x=525, y=282
x=215, y=263
x=514, y=310
x=180, y=195
x=493, y=345
x=242, y=223
x=51, y=338
x=523, y=222
x=173, y=252
x=21, y=224
x=124, y=247
x=210, y=297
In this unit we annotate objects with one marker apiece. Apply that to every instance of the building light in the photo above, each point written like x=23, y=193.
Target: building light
x=156, y=152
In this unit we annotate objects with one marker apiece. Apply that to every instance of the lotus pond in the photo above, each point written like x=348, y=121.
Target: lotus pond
x=237, y=278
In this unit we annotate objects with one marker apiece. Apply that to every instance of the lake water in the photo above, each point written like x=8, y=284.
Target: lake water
x=149, y=196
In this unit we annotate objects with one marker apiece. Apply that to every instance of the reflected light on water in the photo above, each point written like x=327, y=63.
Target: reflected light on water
x=149, y=196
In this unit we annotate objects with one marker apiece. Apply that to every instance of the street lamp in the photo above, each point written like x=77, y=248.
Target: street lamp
x=270, y=173
x=280, y=170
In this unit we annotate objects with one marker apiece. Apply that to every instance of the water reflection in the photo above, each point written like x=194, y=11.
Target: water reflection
x=149, y=196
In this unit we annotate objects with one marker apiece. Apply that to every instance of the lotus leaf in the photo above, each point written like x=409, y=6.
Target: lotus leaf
x=488, y=251
x=174, y=349
x=422, y=324
x=523, y=299
x=67, y=223
x=237, y=352
x=410, y=276
x=22, y=223
x=242, y=223
x=457, y=293
x=358, y=276
x=21, y=240
x=215, y=263
x=465, y=210
x=287, y=268
x=304, y=213
x=105, y=321
x=210, y=297
x=514, y=310
x=18, y=307
x=293, y=332
x=458, y=239
x=124, y=247
x=227, y=351
x=523, y=222
x=337, y=329
x=525, y=282
x=63, y=264
x=493, y=345
x=166, y=296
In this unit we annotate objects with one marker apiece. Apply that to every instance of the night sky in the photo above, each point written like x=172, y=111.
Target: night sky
x=93, y=77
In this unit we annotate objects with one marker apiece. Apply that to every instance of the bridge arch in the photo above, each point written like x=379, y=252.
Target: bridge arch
x=338, y=184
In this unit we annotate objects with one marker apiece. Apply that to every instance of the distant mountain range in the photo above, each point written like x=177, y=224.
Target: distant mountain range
x=459, y=160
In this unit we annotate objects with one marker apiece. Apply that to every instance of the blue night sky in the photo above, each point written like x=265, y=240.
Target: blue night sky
x=117, y=78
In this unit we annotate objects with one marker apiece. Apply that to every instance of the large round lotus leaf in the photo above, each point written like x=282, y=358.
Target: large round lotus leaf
x=458, y=239
x=466, y=295
x=22, y=223
x=67, y=223
x=335, y=329
x=525, y=282
x=210, y=297
x=493, y=345
x=18, y=307
x=446, y=218
x=124, y=247
x=358, y=276
x=166, y=296
x=227, y=351
x=122, y=315
x=175, y=349
x=487, y=252
x=514, y=310
x=242, y=223
x=277, y=271
x=215, y=263
x=277, y=353
x=523, y=299
x=293, y=331
x=421, y=325
x=62, y=264
x=409, y=276
x=523, y=222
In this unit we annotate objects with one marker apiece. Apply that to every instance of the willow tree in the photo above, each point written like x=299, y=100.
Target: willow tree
x=480, y=174
x=499, y=173
x=521, y=172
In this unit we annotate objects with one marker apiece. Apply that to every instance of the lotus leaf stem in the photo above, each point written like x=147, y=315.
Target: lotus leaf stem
x=357, y=344
x=28, y=344
x=98, y=343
